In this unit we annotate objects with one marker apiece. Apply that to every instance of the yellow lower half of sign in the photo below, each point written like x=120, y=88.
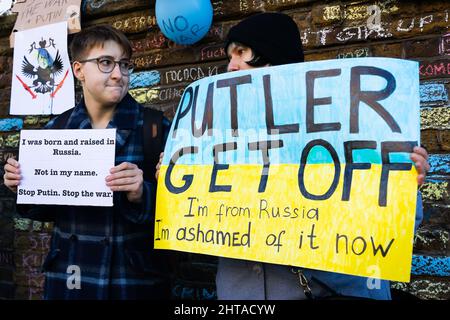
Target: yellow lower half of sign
x=283, y=226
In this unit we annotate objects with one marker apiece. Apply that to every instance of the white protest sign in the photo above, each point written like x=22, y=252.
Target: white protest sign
x=66, y=167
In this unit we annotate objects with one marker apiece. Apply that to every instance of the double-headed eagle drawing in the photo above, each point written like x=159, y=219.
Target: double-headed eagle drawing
x=45, y=73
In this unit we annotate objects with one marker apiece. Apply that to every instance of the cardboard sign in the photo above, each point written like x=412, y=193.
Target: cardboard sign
x=303, y=165
x=42, y=81
x=36, y=13
x=66, y=167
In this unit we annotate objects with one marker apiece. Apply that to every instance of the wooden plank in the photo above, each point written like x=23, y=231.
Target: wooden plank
x=5, y=97
x=159, y=94
x=432, y=68
x=440, y=164
x=7, y=24
x=8, y=207
x=435, y=118
x=9, y=140
x=428, y=47
x=426, y=287
x=190, y=73
x=145, y=79
x=238, y=8
x=6, y=257
x=357, y=31
x=97, y=8
x=34, y=122
x=431, y=239
x=130, y=22
x=7, y=153
x=434, y=190
x=445, y=44
x=11, y=124
x=433, y=93
x=436, y=141
x=431, y=266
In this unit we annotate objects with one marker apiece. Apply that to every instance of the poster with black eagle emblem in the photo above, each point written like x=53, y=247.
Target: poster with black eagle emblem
x=42, y=81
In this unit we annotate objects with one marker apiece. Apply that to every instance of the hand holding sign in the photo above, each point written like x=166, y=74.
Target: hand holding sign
x=12, y=174
x=420, y=159
x=128, y=178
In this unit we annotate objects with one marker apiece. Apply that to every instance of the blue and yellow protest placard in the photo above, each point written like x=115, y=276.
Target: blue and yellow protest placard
x=304, y=165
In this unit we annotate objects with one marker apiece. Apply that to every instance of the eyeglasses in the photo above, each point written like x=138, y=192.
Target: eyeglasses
x=107, y=65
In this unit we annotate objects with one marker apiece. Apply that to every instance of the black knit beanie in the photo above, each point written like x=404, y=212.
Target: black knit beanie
x=272, y=35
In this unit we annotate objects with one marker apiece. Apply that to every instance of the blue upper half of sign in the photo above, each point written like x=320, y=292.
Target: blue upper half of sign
x=366, y=99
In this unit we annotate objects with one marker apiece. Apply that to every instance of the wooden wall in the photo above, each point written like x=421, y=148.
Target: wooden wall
x=417, y=30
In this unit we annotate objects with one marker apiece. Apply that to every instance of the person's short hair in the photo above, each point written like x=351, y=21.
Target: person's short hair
x=95, y=36
x=257, y=59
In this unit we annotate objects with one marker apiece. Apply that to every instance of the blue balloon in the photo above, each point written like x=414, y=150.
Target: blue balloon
x=184, y=21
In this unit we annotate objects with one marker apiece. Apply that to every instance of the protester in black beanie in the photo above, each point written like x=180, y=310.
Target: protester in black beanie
x=272, y=36
x=272, y=39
